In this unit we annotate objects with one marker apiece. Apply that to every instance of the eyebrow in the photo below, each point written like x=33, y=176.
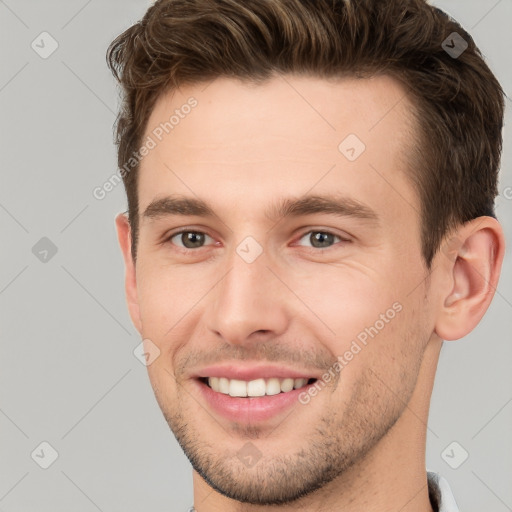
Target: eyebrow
x=339, y=206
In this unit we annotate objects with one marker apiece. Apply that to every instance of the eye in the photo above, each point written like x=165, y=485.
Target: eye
x=189, y=239
x=321, y=239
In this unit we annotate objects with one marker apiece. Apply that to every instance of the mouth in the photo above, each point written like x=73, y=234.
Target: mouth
x=252, y=401
x=237, y=388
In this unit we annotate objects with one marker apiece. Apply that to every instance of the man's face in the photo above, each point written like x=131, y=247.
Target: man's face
x=250, y=295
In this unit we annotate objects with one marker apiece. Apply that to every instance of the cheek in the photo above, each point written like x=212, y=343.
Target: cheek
x=372, y=324
x=379, y=370
x=165, y=295
x=351, y=304
x=171, y=303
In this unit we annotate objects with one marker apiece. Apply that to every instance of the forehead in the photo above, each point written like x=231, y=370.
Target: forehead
x=235, y=143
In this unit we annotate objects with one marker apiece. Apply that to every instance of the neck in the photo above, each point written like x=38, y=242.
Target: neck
x=392, y=476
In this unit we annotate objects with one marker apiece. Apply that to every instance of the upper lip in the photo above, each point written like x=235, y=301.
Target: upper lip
x=253, y=372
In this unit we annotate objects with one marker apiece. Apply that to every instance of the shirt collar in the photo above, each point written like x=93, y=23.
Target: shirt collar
x=440, y=494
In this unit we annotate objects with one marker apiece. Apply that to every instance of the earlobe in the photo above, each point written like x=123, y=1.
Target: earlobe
x=472, y=262
x=124, y=238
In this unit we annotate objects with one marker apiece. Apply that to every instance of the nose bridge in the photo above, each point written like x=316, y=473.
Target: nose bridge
x=248, y=298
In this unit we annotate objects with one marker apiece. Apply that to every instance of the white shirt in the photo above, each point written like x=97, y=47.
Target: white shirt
x=439, y=493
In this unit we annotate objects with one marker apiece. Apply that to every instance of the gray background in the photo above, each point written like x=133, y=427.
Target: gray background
x=68, y=375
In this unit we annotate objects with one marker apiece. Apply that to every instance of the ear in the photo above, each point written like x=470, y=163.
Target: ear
x=124, y=237
x=471, y=261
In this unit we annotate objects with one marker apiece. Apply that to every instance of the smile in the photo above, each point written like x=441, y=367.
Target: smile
x=256, y=387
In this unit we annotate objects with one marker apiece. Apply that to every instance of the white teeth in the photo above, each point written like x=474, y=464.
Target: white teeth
x=214, y=383
x=237, y=387
x=298, y=383
x=223, y=385
x=286, y=385
x=257, y=387
x=273, y=387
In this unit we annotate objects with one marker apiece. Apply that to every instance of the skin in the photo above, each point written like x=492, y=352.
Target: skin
x=359, y=444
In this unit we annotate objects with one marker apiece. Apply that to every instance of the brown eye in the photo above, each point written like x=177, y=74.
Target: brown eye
x=189, y=239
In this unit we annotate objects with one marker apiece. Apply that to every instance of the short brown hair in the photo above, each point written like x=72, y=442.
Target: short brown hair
x=458, y=101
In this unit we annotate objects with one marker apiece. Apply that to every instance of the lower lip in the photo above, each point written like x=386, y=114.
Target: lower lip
x=250, y=409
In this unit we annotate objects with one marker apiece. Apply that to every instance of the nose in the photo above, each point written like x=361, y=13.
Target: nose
x=249, y=303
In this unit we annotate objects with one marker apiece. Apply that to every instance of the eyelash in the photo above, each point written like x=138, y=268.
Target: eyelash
x=313, y=249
